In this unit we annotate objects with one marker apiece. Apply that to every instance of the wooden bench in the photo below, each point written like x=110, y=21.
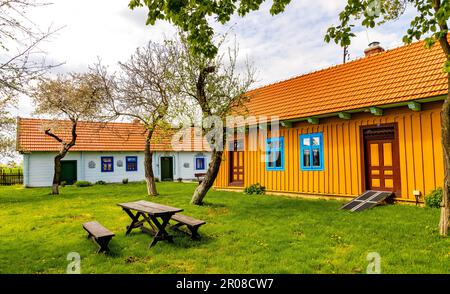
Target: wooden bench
x=200, y=177
x=99, y=234
x=191, y=223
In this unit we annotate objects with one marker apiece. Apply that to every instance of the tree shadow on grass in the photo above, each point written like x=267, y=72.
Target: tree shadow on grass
x=181, y=239
x=213, y=205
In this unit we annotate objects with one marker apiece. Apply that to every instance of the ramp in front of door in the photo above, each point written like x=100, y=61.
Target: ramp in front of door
x=367, y=200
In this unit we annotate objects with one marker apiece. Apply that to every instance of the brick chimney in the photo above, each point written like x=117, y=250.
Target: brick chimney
x=373, y=49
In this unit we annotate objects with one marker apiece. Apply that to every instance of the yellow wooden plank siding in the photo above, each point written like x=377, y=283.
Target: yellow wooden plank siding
x=420, y=155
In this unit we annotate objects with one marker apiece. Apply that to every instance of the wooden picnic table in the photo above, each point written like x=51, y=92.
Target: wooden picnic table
x=156, y=215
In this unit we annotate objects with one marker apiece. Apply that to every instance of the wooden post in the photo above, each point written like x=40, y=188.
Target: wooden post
x=344, y=115
x=376, y=111
x=414, y=106
x=313, y=120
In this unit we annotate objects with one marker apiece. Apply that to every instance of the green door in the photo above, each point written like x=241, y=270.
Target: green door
x=69, y=171
x=166, y=168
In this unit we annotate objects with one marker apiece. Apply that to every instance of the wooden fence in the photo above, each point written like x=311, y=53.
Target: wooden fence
x=11, y=177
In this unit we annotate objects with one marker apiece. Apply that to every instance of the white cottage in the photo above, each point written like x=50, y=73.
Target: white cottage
x=107, y=152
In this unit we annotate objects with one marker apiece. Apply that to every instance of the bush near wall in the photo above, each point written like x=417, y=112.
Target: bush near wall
x=434, y=199
x=7, y=170
x=83, y=184
x=255, y=189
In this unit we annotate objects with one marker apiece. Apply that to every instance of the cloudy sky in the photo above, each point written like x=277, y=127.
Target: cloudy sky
x=280, y=47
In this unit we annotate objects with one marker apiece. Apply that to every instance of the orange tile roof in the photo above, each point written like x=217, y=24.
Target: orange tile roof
x=96, y=136
x=406, y=73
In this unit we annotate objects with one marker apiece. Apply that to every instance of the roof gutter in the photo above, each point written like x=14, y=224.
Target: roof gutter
x=360, y=110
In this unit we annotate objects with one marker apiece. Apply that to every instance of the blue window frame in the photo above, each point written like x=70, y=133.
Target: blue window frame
x=275, y=154
x=200, y=163
x=131, y=163
x=311, y=152
x=107, y=164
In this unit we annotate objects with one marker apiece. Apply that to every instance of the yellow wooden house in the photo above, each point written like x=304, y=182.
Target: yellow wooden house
x=370, y=124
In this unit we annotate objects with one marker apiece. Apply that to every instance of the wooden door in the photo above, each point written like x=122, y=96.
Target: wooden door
x=382, y=165
x=69, y=171
x=167, y=168
x=236, y=165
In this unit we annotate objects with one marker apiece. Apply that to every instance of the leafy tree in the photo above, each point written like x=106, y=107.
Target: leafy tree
x=21, y=61
x=6, y=131
x=72, y=98
x=431, y=21
x=142, y=90
x=192, y=17
x=217, y=88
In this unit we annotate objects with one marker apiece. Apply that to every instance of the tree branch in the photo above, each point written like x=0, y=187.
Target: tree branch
x=48, y=132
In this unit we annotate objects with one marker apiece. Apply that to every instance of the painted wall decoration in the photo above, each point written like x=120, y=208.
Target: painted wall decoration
x=119, y=163
x=91, y=164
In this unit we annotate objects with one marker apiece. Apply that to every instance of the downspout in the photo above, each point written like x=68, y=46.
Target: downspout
x=82, y=167
x=177, y=166
x=26, y=170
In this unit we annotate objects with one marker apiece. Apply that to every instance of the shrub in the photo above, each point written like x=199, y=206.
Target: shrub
x=434, y=199
x=180, y=180
x=83, y=184
x=125, y=181
x=100, y=182
x=255, y=189
x=156, y=180
x=63, y=184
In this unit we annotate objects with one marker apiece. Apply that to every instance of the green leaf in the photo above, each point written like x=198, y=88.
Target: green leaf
x=191, y=17
x=446, y=67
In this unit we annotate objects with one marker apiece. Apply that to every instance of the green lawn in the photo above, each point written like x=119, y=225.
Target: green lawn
x=243, y=234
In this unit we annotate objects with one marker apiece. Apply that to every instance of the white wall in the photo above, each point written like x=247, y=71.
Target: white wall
x=188, y=158
x=38, y=166
x=118, y=174
x=183, y=163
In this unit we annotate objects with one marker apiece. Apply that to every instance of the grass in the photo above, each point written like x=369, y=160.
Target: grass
x=243, y=234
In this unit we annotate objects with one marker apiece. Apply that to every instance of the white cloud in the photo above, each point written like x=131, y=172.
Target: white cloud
x=280, y=46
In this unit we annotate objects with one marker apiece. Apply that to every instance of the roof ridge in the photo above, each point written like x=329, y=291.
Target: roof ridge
x=80, y=121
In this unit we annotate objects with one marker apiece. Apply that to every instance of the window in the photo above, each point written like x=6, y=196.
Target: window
x=107, y=164
x=199, y=163
x=311, y=152
x=275, y=154
x=131, y=163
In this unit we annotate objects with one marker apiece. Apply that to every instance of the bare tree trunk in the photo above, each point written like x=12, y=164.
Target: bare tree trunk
x=56, y=175
x=216, y=157
x=208, y=181
x=148, y=162
x=445, y=210
x=445, y=129
x=64, y=149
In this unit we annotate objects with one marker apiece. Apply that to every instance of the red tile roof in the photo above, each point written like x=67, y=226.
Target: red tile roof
x=406, y=73
x=95, y=136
